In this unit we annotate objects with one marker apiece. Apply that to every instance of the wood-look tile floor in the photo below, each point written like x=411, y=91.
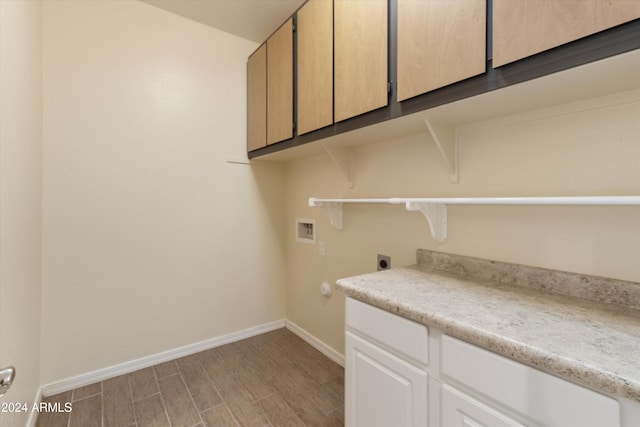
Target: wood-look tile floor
x=274, y=379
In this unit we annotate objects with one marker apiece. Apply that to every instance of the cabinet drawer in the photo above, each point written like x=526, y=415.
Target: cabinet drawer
x=535, y=394
x=405, y=337
x=460, y=410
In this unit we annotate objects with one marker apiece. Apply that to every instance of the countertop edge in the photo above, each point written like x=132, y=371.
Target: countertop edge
x=546, y=361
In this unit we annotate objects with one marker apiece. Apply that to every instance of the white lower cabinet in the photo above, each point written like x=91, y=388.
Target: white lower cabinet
x=382, y=389
x=386, y=384
x=399, y=373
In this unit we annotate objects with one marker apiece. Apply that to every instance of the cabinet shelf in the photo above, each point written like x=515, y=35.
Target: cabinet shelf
x=435, y=209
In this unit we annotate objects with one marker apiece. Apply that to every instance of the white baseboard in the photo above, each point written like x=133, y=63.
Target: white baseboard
x=145, y=362
x=315, y=342
x=165, y=356
x=33, y=416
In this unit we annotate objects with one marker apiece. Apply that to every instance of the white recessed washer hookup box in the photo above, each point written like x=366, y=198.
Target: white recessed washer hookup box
x=306, y=230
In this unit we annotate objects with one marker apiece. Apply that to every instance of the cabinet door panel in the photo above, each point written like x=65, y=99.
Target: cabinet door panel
x=381, y=389
x=280, y=84
x=315, y=65
x=360, y=52
x=439, y=42
x=257, y=99
x=525, y=27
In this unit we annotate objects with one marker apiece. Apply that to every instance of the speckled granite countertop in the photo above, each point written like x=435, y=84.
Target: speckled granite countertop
x=593, y=342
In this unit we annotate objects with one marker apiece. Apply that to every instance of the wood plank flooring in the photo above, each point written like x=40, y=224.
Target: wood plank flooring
x=274, y=379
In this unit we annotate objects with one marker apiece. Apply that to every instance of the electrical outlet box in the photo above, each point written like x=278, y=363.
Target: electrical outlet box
x=384, y=262
x=306, y=230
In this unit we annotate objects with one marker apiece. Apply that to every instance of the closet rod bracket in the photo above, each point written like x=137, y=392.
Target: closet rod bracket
x=436, y=216
x=334, y=211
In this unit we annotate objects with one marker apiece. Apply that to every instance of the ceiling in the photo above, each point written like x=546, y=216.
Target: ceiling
x=250, y=19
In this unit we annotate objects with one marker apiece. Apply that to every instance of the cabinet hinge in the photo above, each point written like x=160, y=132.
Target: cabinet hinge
x=293, y=27
x=389, y=88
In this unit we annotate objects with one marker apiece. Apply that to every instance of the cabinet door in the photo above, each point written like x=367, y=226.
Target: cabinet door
x=280, y=84
x=360, y=53
x=382, y=389
x=460, y=410
x=439, y=42
x=525, y=27
x=315, y=65
x=257, y=99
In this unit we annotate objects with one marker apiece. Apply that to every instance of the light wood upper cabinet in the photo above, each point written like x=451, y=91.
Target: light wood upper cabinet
x=360, y=54
x=343, y=66
x=525, y=27
x=439, y=42
x=280, y=84
x=315, y=65
x=257, y=99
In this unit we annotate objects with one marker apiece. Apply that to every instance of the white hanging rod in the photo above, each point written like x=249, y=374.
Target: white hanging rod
x=435, y=209
x=551, y=200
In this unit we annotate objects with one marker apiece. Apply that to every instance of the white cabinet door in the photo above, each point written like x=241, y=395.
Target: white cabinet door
x=382, y=389
x=460, y=410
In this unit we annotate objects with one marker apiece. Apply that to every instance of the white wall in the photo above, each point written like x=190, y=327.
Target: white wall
x=151, y=240
x=590, y=148
x=20, y=199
